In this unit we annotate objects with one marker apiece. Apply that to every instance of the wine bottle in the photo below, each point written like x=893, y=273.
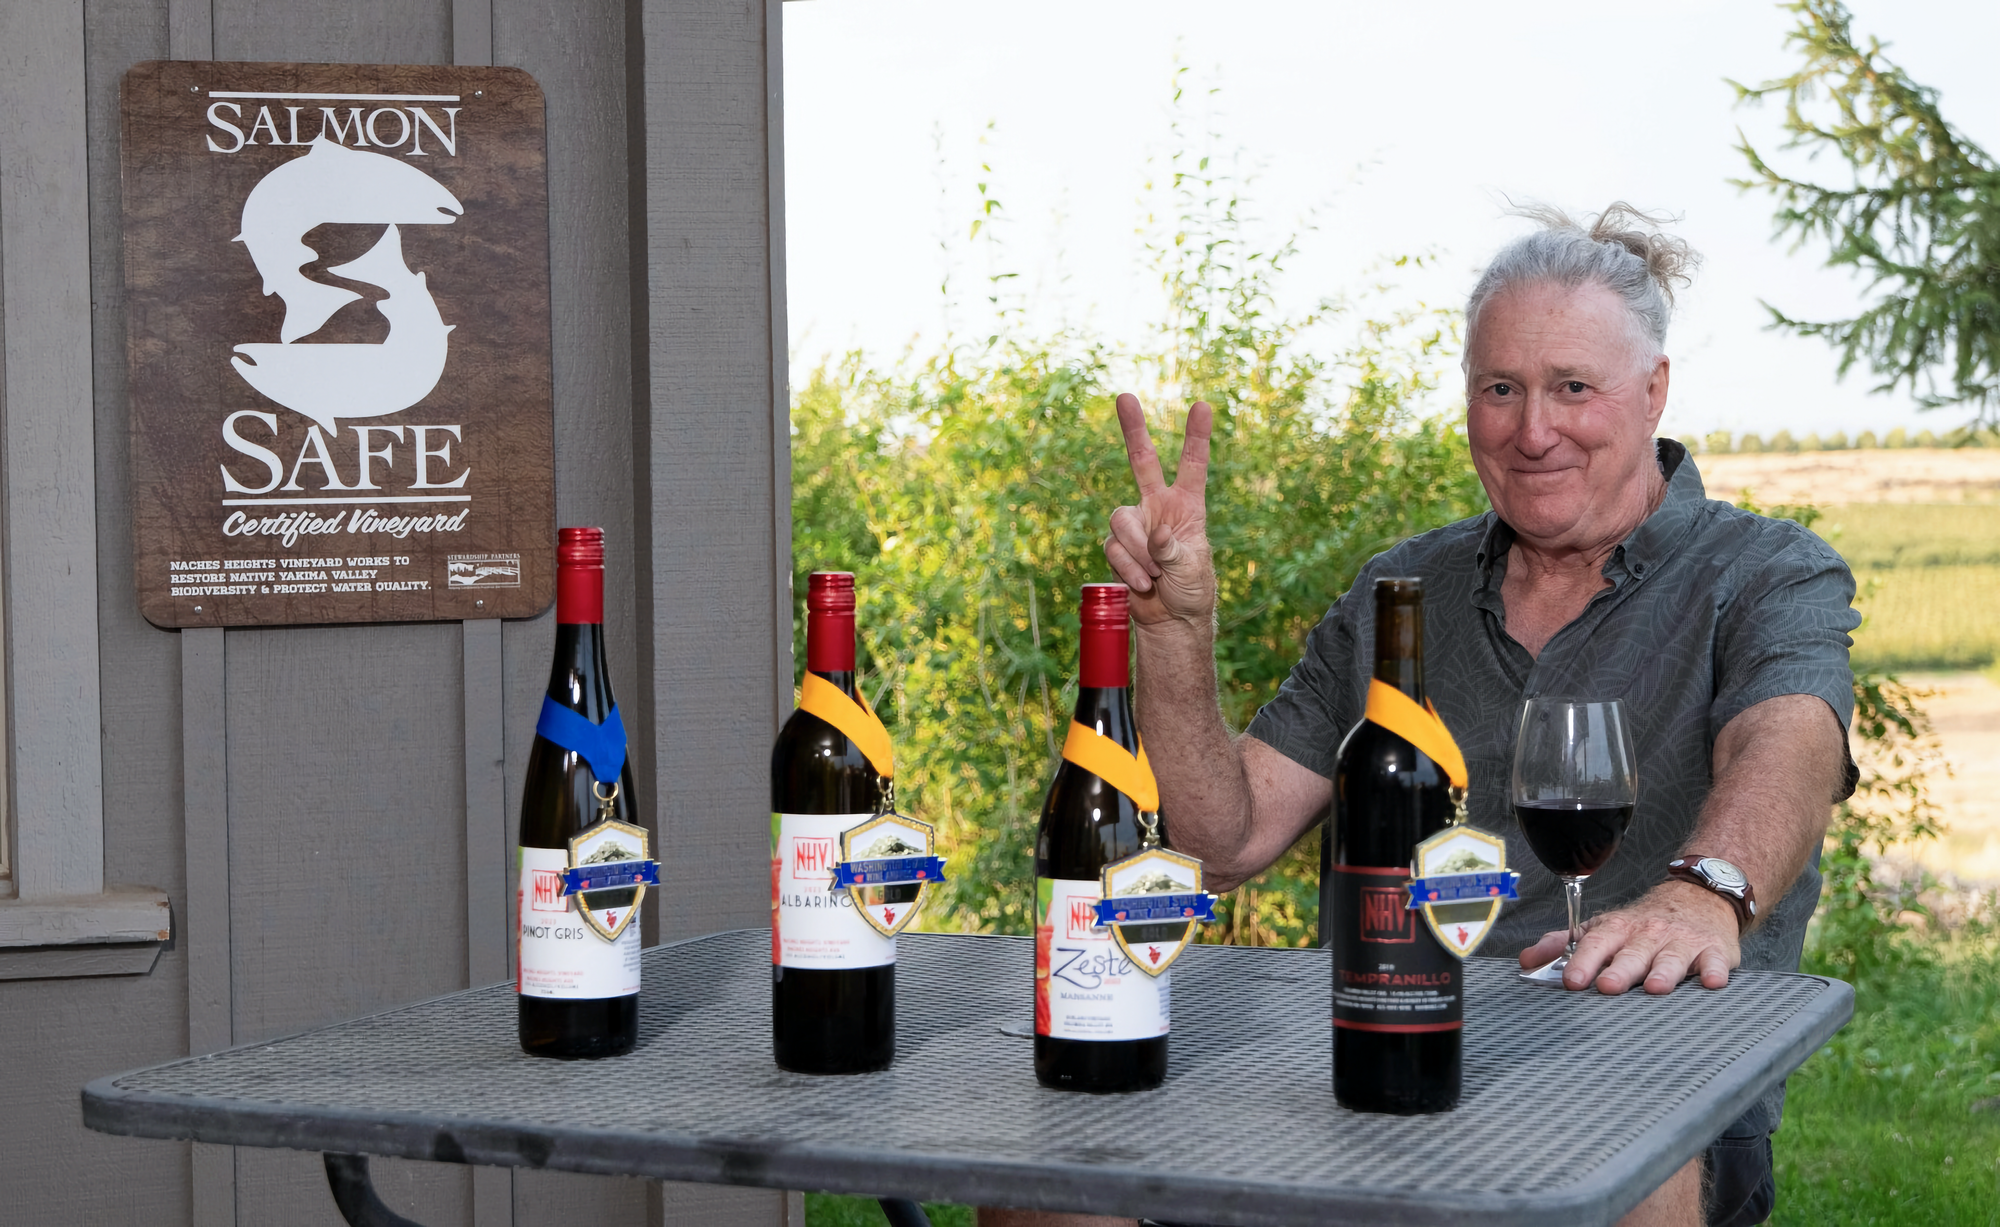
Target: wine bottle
x=1100, y=1022
x=578, y=991
x=833, y=978
x=1397, y=992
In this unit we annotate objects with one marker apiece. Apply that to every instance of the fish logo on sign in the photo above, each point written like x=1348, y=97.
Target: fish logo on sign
x=325, y=382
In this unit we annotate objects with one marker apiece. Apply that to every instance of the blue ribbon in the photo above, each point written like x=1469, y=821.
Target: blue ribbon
x=1152, y=909
x=606, y=875
x=602, y=745
x=1464, y=887
x=888, y=871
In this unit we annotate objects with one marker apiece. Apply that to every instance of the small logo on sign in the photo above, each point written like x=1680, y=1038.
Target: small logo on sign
x=1384, y=918
x=812, y=856
x=483, y=570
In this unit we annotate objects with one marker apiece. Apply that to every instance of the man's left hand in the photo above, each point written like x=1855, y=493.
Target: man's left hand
x=1675, y=930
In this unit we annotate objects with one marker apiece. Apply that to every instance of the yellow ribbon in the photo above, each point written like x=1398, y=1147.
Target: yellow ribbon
x=1114, y=764
x=852, y=716
x=1421, y=726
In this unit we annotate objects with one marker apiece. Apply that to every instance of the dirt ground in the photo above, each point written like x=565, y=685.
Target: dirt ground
x=1965, y=712
x=1884, y=475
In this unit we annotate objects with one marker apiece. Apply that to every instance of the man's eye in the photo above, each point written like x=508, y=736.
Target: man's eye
x=1575, y=387
x=1503, y=389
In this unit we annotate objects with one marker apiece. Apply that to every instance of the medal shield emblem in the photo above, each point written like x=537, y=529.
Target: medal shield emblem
x=1454, y=854
x=887, y=868
x=600, y=853
x=1152, y=901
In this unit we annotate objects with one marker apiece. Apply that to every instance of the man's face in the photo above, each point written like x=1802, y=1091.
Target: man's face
x=1561, y=405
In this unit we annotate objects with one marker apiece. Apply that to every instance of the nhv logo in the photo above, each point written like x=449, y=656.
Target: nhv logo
x=1083, y=926
x=812, y=856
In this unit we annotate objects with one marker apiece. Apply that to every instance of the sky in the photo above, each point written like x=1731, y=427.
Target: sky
x=1369, y=131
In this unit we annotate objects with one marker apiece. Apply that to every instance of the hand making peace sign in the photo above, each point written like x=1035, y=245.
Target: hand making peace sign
x=1160, y=547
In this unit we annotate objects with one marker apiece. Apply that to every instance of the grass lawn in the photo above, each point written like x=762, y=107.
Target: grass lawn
x=1897, y=1120
x=1929, y=618
x=1930, y=582
x=1872, y=536
x=826, y=1210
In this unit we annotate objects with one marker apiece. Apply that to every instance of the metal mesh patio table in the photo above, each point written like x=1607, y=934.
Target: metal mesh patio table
x=1576, y=1105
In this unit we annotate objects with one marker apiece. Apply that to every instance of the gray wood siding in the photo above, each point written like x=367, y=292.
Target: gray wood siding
x=341, y=801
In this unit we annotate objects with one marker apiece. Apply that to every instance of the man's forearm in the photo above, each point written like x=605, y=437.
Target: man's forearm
x=1776, y=768
x=1204, y=791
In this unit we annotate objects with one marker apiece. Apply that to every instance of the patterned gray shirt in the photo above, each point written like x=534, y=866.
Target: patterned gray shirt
x=1710, y=610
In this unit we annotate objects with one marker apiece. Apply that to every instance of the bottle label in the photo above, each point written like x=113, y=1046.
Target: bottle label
x=1389, y=972
x=1086, y=988
x=814, y=923
x=560, y=955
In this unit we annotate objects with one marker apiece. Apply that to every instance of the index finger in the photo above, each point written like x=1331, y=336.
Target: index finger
x=1139, y=446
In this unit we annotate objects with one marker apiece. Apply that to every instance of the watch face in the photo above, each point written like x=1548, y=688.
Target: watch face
x=1722, y=873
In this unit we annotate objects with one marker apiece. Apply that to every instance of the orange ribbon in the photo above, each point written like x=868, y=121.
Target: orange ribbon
x=1421, y=726
x=852, y=716
x=1114, y=764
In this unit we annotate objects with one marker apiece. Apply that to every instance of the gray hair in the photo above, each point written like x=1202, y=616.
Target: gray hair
x=1617, y=249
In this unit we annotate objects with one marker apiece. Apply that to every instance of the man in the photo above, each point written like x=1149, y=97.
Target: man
x=1602, y=571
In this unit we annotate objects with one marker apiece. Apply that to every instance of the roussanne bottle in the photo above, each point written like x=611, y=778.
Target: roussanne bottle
x=1100, y=1022
x=1398, y=994
x=833, y=978
x=579, y=994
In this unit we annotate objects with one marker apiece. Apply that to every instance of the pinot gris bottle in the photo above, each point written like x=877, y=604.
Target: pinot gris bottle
x=833, y=977
x=1100, y=1022
x=1397, y=993
x=578, y=992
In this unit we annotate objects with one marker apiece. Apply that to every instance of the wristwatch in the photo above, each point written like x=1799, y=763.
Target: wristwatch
x=1721, y=877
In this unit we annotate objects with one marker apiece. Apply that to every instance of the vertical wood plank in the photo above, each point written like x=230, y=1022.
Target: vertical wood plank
x=53, y=718
x=472, y=31
x=707, y=430
x=190, y=30
x=486, y=858
x=205, y=798
x=205, y=923
x=781, y=380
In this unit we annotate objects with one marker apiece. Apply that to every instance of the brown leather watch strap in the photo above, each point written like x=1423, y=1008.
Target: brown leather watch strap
x=1682, y=868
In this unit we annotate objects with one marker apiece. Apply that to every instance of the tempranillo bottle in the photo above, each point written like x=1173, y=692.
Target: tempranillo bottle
x=833, y=977
x=578, y=992
x=1398, y=994
x=1100, y=1022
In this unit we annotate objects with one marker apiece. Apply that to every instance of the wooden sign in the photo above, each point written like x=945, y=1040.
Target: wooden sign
x=337, y=314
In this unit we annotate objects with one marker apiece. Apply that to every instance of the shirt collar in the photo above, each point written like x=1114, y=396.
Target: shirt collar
x=1650, y=543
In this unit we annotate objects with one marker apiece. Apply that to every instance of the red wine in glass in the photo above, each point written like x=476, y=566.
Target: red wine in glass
x=1573, y=838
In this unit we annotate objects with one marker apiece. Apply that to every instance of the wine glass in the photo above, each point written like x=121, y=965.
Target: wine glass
x=1575, y=782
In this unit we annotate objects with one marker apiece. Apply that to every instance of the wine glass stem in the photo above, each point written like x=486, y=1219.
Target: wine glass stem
x=1573, y=892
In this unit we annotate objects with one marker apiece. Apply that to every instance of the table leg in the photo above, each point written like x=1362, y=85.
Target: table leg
x=903, y=1212
x=347, y=1175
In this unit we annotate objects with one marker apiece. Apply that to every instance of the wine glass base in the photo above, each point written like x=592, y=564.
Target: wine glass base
x=1548, y=973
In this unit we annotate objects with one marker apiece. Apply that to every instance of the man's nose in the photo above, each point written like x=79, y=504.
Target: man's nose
x=1536, y=433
